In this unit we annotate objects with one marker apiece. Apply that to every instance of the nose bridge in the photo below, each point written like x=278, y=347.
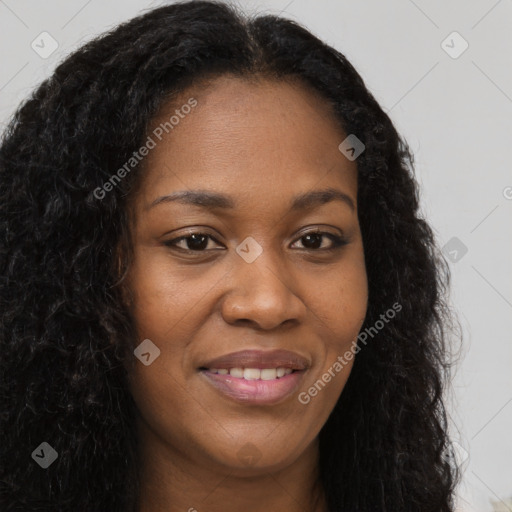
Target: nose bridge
x=260, y=270
x=260, y=287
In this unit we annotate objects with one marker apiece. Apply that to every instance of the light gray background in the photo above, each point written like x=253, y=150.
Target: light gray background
x=456, y=114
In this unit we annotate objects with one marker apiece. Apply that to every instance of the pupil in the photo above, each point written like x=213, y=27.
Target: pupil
x=317, y=240
x=197, y=242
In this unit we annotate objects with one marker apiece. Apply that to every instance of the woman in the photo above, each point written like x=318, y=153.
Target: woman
x=217, y=291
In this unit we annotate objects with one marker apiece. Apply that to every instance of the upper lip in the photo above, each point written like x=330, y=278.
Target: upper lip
x=259, y=359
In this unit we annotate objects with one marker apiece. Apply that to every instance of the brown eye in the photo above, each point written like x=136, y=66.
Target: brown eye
x=313, y=241
x=195, y=242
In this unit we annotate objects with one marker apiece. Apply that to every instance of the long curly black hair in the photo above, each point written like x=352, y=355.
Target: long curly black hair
x=66, y=330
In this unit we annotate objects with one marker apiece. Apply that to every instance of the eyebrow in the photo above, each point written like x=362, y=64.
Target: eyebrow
x=213, y=200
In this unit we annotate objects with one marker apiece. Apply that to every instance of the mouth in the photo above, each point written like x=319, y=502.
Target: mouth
x=256, y=377
x=251, y=389
x=252, y=373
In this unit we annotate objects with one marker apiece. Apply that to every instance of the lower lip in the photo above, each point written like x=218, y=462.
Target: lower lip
x=265, y=392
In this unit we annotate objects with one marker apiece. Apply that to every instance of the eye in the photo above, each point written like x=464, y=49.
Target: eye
x=314, y=241
x=194, y=242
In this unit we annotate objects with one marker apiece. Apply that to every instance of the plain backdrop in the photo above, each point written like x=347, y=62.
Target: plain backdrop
x=452, y=104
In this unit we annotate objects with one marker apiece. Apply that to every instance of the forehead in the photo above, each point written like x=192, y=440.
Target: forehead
x=245, y=136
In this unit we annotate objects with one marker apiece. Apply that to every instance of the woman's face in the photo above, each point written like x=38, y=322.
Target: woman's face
x=257, y=288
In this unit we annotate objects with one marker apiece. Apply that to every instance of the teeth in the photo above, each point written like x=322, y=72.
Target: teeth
x=237, y=372
x=253, y=373
x=268, y=374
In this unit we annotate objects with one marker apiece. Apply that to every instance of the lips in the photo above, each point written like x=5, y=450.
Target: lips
x=258, y=359
x=256, y=377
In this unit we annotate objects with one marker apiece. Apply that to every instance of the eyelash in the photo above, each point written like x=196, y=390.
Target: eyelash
x=337, y=241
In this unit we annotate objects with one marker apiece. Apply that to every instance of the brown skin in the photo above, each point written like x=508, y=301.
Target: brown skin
x=261, y=142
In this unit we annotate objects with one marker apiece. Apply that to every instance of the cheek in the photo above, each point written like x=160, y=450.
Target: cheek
x=169, y=307
x=341, y=306
x=165, y=296
x=165, y=302
x=341, y=303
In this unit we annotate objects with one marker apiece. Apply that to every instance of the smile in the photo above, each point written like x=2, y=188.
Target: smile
x=267, y=386
x=253, y=373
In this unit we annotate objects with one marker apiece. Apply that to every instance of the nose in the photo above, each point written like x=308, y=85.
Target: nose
x=261, y=293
